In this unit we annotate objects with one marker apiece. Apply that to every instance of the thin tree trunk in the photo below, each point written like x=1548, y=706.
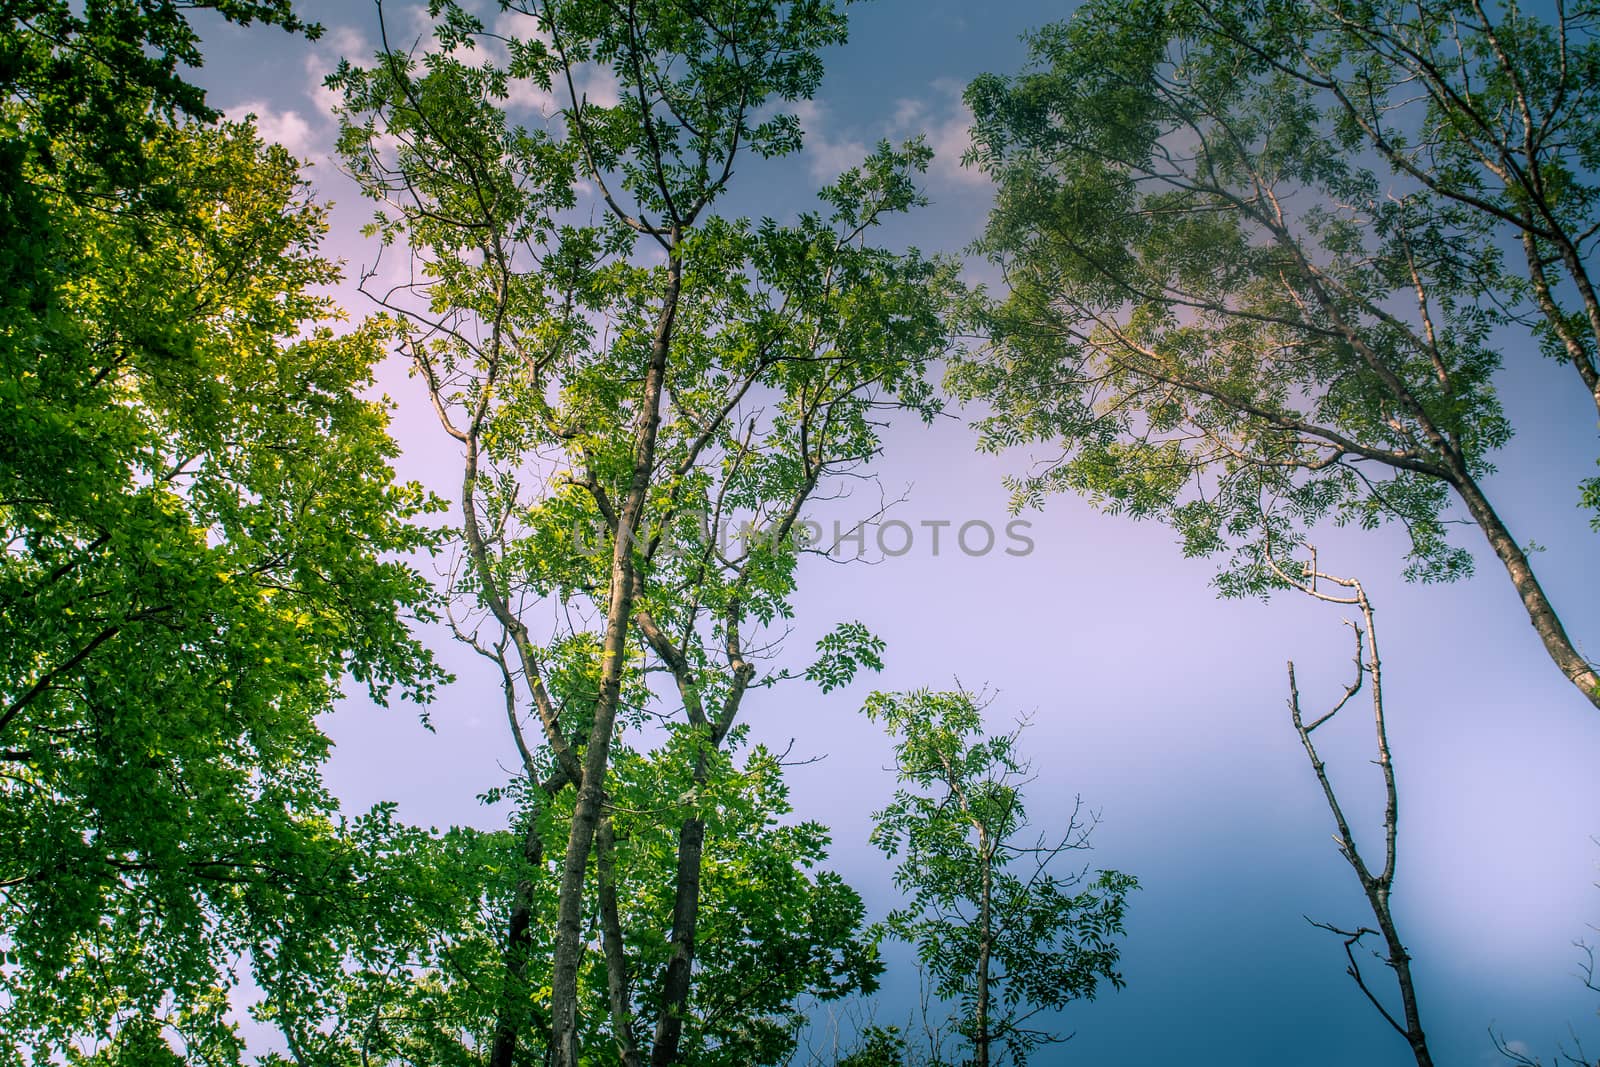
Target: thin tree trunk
x=1377, y=888
x=685, y=918
x=514, y=995
x=519, y=940
x=596, y=757
x=612, y=944
x=677, y=979
x=1573, y=261
x=980, y=1039
x=1400, y=960
x=1546, y=623
x=1585, y=360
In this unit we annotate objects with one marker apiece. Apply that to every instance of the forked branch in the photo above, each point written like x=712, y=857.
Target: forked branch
x=1377, y=887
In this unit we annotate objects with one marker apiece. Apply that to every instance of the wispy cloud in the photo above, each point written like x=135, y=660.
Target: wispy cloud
x=940, y=116
x=828, y=153
x=944, y=118
x=309, y=132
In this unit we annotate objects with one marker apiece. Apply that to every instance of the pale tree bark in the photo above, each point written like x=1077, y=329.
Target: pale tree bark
x=1546, y=623
x=668, y=233
x=1452, y=465
x=588, y=774
x=1376, y=886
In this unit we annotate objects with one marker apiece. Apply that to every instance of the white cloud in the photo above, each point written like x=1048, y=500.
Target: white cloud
x=907, y=113
x=288, y=128
x=340, y=42
x=827, y=156
x=517, y=24
x=527, y=95
x=308, y=134
x=941, y=117
x=346, y=41
x=600, y=85
x=946, y=121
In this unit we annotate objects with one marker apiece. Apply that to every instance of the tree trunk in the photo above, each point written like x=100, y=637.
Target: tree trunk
x=1589, y=368
x=514, y=994
x=685, y=917
x=1401, y=962
x=678, y=978
x=596, y=758
x=1586, y=359
x=611, y=939
x=980, y=1039
x=1546, y=623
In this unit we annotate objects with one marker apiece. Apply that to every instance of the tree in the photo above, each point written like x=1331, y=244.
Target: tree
x=1001, y=932
x=878, y=1046
x=418, y=981
x=1377, y=885
x=1259, y=268
x=201, y=528
x=626, y=390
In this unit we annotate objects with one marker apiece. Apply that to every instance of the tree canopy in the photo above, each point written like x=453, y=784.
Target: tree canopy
x=1260, y=272
x=1264, y=268
x=201, y=526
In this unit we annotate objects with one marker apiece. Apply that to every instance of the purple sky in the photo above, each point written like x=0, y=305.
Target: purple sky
x=1162, y=706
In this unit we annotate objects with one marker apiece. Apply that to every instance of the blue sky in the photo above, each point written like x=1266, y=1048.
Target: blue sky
x=1162, y=706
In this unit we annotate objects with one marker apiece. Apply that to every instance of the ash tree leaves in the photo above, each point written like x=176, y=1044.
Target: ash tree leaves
x=413, y=981
x=689, y=93
x=844, y=651
x=402, y=974
x=1259, y=274
x=1155, y=304
x=773, y=926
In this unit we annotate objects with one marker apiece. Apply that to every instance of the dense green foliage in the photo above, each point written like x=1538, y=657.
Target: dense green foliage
x=87, y=85
x=417, y=981
x=200, y=521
